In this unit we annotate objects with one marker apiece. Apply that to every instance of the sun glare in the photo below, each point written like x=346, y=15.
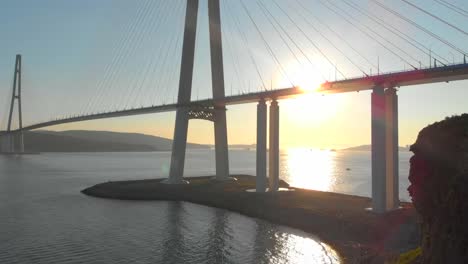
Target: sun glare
x=311, y=106
x=304, y=76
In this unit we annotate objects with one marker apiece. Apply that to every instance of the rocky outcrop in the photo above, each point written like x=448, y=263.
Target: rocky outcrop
x=439, y=189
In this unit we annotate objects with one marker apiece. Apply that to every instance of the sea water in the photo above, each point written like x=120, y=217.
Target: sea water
x=45, y=219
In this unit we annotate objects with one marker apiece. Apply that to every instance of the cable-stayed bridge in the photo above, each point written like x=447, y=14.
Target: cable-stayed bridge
x=397, y=79
x=298, y=31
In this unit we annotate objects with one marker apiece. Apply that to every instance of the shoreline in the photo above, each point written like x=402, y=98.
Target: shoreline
x=339, y=220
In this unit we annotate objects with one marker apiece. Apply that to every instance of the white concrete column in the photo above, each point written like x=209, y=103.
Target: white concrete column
x=261, y=178
x=378, y=150
x=221, y=146
x=11, y=143
x=19, y=142
x=217, y=77
x=391, y=116
x=185, y=91
x=3, y=144
x=274, y=147
x=8, y=143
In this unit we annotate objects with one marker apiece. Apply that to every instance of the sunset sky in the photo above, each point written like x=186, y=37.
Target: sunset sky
x=88, y=56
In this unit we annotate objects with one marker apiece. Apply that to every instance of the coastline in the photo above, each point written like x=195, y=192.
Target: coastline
x=339, y=220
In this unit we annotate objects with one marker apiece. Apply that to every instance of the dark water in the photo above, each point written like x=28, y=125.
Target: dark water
x=45, y=219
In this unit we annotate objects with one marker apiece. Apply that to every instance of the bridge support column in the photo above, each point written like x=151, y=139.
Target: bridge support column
x=2, y=143
x=261, y=178
x=19, y=143
x=392, y=157
x=384, y=150
x=378, y=150
x=185, y=89
x=221, y=146
x=178, y=147
x=12, y=142
x=7, y=143
x=274, y=147
x=217, y=78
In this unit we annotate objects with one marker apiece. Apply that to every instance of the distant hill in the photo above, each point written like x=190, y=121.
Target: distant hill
x=369, y=148
x=243, y=146
x=96, y=141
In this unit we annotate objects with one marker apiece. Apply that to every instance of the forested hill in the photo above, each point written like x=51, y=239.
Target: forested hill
x=96, y=141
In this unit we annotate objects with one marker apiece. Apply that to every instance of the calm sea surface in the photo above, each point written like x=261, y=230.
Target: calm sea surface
x=45, y=219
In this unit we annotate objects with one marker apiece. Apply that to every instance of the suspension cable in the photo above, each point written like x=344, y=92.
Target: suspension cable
x=245, y=42
x=268, y=14
x=366, y=33
x=292, y=40
x=435, y=17
x=455, y=6
x=139, y=84
x=134, y=87
x=342, y=39
x=123, y=60
x=266, y=43
x=309, y=39
x=410, y=40
x=172, y=45
x=378, y=34
x=411, y=22
x=164, y=81
x=455, y=9
x=228, y=35
x=122, y=44
x=139, y=37
x=331, y=43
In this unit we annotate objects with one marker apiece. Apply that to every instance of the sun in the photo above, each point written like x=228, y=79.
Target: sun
x=302, y=75
x=308, y=82
x=311, y=106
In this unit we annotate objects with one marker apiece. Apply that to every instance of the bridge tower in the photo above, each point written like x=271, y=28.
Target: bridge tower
x=185, y=112
x=13, y=142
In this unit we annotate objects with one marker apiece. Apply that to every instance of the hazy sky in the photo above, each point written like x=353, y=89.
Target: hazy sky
x=89, y=56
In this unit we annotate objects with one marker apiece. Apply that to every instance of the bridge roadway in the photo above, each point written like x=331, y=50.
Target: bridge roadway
x=396, y=79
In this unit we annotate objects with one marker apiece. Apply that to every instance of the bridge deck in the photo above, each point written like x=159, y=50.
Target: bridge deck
x=396, y=79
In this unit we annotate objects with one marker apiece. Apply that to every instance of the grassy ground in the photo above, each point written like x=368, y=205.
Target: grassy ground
x=359, y=236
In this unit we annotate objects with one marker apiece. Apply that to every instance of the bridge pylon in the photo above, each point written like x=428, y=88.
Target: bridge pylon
x=10, y=141
x=185, y=110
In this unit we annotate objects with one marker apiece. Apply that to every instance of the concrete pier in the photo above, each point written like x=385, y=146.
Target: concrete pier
x=221, y=146
x=378, y=150
x=6, y=143
x=2, y=144
x=261, y=179
x=12, y=143
x=274, y=147
x=19, y=142
x=384, y=111
x=392, y=157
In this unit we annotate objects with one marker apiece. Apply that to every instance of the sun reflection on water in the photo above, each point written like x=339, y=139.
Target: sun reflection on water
x=297, y=249
x=316, y=251
x=310, y=168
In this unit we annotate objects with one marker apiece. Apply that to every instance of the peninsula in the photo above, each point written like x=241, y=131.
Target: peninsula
x=340, y=220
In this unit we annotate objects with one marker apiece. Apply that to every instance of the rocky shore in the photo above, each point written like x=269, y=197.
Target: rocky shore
x=342, y=221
